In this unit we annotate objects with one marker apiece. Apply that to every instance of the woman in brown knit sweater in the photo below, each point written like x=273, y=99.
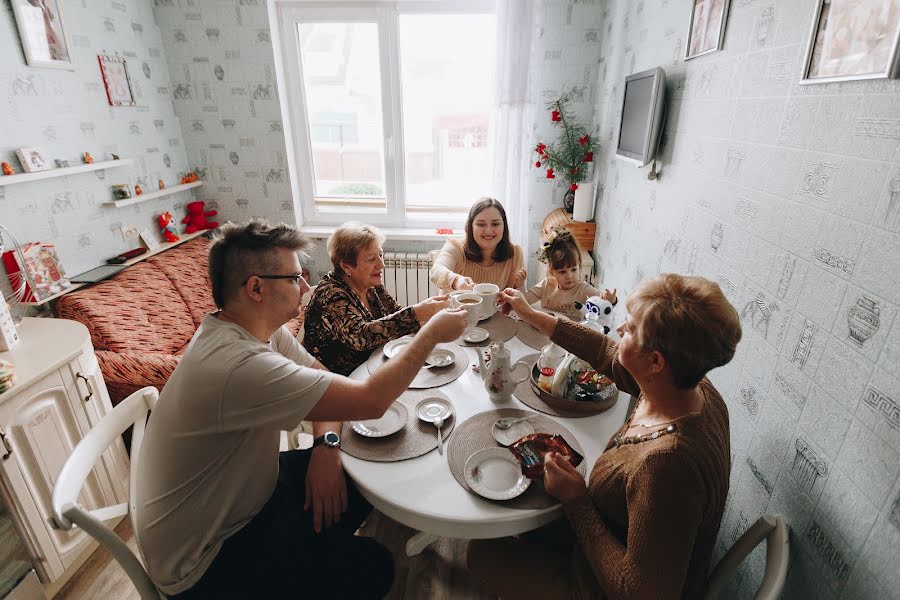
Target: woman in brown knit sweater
x=645, y=524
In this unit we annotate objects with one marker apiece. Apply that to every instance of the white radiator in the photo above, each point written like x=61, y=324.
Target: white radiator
x=406, y=277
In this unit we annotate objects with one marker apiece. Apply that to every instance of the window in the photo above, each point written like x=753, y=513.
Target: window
x=390, y=108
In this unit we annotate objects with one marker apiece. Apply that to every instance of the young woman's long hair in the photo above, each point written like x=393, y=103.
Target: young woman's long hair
x=504, y=249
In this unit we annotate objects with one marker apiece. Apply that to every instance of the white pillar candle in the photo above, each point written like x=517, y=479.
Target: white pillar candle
x=584, y=202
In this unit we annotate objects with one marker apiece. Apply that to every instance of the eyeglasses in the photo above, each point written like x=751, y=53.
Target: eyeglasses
x=297, y=278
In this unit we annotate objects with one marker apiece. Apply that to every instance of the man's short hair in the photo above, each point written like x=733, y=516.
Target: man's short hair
x=689, y=321
x=241, y=250
x=347, y=240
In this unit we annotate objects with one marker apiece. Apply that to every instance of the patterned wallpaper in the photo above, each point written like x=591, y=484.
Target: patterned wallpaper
x=789, y=197
x=65, y=113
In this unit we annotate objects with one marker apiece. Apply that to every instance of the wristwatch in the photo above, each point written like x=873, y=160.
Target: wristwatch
x=329, y=439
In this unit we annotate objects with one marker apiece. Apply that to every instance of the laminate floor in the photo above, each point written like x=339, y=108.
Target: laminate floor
x=439, y=572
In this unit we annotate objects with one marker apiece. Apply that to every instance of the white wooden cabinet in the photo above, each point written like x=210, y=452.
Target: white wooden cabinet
x=59, y=395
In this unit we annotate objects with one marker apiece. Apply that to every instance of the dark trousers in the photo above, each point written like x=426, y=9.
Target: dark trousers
x=279, y=553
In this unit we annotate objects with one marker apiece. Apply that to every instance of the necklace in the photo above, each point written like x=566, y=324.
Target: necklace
x=622, y=439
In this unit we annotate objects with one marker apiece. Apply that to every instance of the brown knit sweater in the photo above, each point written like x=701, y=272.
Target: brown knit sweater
x=649, y=522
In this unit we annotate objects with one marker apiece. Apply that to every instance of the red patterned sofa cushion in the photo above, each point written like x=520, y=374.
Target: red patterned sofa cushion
x=187, y=267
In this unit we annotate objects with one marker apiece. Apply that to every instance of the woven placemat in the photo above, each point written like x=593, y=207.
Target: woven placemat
x=530, y=336
x=500, y=327
x=415, y=439
x=474, y=434
x=526, y=395
x=429, y=378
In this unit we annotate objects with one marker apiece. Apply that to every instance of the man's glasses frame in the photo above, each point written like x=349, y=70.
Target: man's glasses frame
x=296, y=277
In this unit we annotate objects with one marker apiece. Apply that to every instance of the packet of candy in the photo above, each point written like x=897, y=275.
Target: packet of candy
x=530, y=451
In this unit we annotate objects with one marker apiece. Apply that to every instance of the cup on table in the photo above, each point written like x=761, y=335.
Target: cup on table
x=488, y=293
x=471, y=302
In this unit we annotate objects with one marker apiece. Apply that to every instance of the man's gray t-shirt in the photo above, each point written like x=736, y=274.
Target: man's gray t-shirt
x=209, y=460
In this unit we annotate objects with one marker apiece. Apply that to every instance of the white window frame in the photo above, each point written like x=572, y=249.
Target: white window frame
x=386, y=15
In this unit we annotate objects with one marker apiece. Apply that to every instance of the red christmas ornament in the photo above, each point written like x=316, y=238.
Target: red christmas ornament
x=538, y=164
x=573, y=187
x=554, y=116
x=574, y=171
x=584, y=139
x=589, y=157
x=550, y=174
x=540, y=148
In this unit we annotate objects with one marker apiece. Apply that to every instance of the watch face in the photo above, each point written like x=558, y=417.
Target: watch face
x=332, y=439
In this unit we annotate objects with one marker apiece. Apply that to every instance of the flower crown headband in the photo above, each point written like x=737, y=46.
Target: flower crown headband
x=556, y=237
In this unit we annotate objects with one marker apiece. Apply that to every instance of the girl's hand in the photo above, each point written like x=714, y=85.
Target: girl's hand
x=550, y=285
x=561, y=479
x=609, y=296
x=519, y=277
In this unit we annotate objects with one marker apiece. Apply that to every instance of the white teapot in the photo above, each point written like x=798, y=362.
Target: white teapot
x=497, y=374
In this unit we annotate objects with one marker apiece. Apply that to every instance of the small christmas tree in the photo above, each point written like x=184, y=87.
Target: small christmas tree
x=572, y=153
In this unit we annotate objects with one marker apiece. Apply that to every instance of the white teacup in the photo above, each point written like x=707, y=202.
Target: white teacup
x=471, y=302
x=488, y=293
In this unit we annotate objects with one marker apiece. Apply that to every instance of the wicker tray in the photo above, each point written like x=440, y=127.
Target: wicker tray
x=530, y=394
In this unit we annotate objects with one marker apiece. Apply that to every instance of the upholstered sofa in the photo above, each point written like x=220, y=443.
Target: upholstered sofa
x=142, y=319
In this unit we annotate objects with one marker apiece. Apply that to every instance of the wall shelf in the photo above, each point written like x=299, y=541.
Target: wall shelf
x=62, y=172
x=185, y=237
x=153, y=195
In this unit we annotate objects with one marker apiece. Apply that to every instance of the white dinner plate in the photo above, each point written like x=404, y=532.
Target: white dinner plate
x=507, y=436
x=392, y=421
x=430, y=409
x=394, y=346
x=475, y=335
x=495, y=474
x=439, y=358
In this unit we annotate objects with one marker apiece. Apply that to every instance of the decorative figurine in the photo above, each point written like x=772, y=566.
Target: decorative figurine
x=121, y=192
x=189, y=177
x=167, y=226
x=196, y=217
x=61, y=164
x=7, y=168
x=87, y=158
x=137, y=189
x=162, y=184
x=114, y=156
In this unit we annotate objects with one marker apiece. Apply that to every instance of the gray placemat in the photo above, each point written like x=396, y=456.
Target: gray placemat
x=474, y=434
x=500, y=327
x=530, y=336
x=526, y=394
x=433, y=377
x=415, y=439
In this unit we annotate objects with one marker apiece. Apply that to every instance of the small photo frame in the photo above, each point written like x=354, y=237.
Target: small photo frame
x=706, y=31
x=150, y=239
x=115, y=78
x=45, y=39
x=32, y=160
x=851, y=40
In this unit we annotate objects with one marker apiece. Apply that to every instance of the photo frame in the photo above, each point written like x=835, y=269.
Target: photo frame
x=44, y=37
x=116, y=80
x=706, y=29
x=851, y=40
x=33, y=160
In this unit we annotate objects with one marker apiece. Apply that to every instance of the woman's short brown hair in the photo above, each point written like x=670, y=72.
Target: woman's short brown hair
x=348, y=239
x=504, y=249
x=689, y=321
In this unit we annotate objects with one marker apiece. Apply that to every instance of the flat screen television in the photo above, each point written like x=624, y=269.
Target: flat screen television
x=643, y=109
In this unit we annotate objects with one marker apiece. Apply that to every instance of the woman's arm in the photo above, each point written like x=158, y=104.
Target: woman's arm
x=599, y=350
x=350, y=324
x=442, y=274
x=665, y=507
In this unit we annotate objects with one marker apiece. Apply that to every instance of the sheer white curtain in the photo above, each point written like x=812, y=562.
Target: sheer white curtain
x=513, y=117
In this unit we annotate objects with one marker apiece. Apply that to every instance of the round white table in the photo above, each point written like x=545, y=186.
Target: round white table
x=422, y=492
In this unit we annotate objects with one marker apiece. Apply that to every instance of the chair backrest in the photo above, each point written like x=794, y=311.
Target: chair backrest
x=774, y=530
x=67, y=513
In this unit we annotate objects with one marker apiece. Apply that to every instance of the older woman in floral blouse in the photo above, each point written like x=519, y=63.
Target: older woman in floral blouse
x=350, y=313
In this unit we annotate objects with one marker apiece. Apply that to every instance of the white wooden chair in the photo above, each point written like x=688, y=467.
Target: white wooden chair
x=67, y=513
x=774, y=530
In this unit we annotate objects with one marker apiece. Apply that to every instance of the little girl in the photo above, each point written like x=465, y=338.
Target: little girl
x=564, y=291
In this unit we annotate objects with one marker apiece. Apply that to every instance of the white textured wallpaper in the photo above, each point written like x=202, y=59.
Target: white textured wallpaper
x=789, y=197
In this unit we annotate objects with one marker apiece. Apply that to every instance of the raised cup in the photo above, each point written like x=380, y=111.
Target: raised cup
x=471, y=302
x=488, y=293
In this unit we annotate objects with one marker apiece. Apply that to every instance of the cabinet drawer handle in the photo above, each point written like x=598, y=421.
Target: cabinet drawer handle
x=6, y=445
x=87, y=382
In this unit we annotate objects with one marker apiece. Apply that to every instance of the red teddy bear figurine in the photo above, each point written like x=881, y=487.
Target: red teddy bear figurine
x=196, y=217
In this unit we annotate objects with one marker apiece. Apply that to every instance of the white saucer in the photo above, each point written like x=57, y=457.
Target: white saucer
x=394, y=346
x=475, y=335
x=393, y=420
x=495, y=474
x=507, y=436
x=430, y=409
x=440, y=358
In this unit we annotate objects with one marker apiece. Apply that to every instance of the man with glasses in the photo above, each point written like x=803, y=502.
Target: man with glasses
x=220, y=512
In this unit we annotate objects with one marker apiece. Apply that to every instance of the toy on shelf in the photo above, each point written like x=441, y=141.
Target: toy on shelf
x=7, y=169
x=161, y=184
x=138, y=190
x=167, y=226
x=189, y=177
x=196, y=217
x=87, y=158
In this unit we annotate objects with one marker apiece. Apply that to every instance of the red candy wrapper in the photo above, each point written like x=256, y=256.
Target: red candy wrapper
x=531, y=449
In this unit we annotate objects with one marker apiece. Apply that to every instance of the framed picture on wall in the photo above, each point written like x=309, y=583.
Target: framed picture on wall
x=852, y=39
x=707, y=27
x=45, y=39
x=115, y=78
x=32, y=160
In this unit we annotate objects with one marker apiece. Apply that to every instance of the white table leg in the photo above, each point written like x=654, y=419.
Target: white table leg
x=417, y=543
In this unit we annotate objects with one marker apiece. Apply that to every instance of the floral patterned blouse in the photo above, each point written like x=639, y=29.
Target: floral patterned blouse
x=341, y=332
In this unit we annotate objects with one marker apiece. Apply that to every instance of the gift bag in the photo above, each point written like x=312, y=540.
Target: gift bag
x=45, y=275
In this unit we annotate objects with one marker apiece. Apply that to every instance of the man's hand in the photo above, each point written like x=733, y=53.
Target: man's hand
x=561, y=479
x=326, y=487
x=518, y=278
x=428, y=307
x=447, y=325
